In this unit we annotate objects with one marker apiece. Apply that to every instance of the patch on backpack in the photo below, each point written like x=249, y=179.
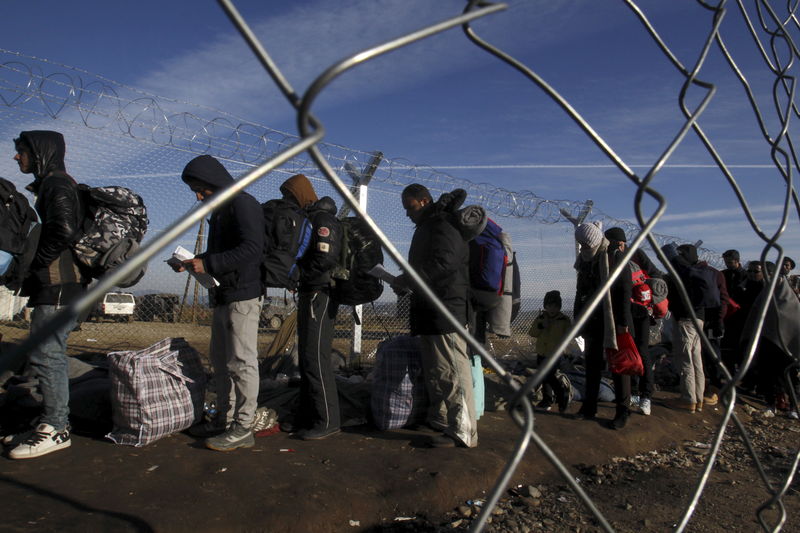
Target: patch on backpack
x=323, y=231
x=323, y=247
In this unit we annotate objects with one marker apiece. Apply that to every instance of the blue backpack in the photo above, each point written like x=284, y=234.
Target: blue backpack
x=488, y=259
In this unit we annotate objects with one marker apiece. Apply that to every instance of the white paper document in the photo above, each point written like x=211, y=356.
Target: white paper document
x=182, y=254
x=380, y=272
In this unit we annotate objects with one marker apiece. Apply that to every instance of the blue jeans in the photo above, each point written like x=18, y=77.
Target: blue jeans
x=49, y=363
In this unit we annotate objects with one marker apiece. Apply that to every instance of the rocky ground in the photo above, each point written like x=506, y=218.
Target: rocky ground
x=650, y=491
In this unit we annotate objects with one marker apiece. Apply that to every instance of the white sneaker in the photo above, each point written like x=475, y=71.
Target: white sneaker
x=634, y=401
x=43, y=440
x=644, y=405
x=15, y=438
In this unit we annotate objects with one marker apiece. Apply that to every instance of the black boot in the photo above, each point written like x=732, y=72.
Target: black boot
x=621, y=417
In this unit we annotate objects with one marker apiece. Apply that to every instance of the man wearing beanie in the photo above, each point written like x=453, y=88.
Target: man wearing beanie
x=641, y=387
x=233, y=258
x=611, y=317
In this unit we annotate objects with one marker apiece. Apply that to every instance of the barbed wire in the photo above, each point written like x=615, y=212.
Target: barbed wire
x=63, y=92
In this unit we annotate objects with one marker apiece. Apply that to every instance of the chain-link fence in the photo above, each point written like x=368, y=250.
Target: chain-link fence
x=118, y=135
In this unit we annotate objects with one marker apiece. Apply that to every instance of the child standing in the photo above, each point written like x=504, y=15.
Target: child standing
x=549, y=328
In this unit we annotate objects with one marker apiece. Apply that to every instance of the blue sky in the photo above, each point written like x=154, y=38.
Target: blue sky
x=445, y=103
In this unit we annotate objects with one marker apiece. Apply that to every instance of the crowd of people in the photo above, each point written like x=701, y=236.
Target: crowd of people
x=727, y=305
x=439, y=253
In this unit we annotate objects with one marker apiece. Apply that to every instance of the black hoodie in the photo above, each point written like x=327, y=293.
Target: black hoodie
x=55, y=278
x=235, y=236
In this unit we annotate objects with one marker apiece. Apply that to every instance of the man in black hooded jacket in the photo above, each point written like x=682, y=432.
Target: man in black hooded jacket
x=440, y=255
x=54, y=281
x=233, y=258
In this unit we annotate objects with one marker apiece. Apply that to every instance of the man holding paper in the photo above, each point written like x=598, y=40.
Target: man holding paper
x=233, y=259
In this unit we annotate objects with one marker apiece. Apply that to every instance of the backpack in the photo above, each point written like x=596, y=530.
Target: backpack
x=19, y=235
x=488, y=259
x=641, y=293
x=288, y=235
x=114, y=225
x=659, y=289
x=360, y=252
x=702, y=286
x=648, y=292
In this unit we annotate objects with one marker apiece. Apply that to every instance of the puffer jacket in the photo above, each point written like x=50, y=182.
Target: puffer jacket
x=54, y=277
x=441, y=256
x=235, y=237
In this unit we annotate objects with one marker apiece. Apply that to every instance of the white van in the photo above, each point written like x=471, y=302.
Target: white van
x=117, y=305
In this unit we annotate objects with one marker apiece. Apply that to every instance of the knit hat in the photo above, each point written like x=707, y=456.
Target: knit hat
x=589, y=235
x=552, y=297
x=731, y=254
x=616, y=234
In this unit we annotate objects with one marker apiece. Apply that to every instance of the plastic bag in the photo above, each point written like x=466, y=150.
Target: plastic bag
x=625, y=359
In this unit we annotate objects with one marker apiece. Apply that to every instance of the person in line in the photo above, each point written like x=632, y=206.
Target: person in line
x=53, y=282
x=685, y=336
x=233, y=258
x=788, y=266
x=641, y=387
x=441, y=256
x=549, y=329
x=317, y=416
x=735, y=278
x=611, y=317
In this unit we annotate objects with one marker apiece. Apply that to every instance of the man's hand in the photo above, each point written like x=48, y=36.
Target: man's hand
x=195, y=265
x=400, y=285
x=175, y=264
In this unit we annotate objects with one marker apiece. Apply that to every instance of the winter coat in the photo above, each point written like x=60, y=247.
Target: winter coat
x=54, y=277
x=549, y=332
x=589, y=280
x=440, y=255
x=322, y=254
x=235, y=237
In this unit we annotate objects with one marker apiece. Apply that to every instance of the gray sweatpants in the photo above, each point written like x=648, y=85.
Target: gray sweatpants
x=234, y=357
x=448, y=380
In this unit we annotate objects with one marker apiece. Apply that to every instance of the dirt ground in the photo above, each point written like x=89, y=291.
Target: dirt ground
x=641, y=478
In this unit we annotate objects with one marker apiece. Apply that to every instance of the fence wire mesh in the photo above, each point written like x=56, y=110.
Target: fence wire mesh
x=118, y=134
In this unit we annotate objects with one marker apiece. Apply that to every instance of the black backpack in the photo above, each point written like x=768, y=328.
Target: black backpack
x=288, y=235
x=702, y=287
x=19, y=234
x=114, y=226
x=360, y=252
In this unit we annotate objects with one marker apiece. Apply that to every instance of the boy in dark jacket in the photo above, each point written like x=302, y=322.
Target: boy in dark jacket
x=318, y=413
x=53, y=282
x=233, y=258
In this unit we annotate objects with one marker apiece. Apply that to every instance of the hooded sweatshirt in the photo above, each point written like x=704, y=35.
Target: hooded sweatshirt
x=235, y=236
x=54, y=278
x=301, y=190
